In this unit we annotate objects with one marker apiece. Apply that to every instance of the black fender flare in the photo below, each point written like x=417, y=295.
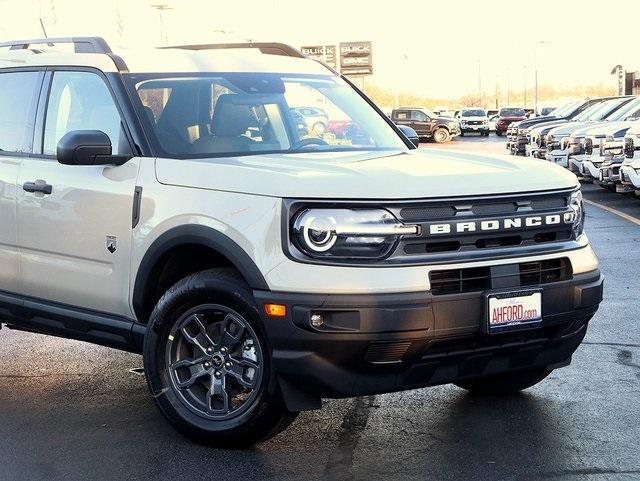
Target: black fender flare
x=192, y=234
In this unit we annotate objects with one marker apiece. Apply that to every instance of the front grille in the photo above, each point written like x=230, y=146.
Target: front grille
x=473, y=279
x=494, y=209
x=386, y=352
x=629, y=149
x=426, y=212
x=483, y=207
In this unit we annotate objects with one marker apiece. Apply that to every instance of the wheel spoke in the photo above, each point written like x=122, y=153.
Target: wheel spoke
x=200, y=339
x=196, y=371
x=218, y=390
x=232, y=331
x=239, y=369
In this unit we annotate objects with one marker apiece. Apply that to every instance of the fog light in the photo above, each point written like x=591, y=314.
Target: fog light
x=317, y=320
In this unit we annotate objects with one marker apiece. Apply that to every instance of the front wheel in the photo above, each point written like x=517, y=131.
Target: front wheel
x=441, y=135
x=207, y=362
x=502, y=384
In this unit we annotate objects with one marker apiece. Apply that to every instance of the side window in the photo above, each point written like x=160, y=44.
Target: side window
x=402, y=115
x=81, y=101
x=18, y=101
x=419, y=116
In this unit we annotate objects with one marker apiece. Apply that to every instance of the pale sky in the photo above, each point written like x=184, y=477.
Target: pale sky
x=427, y=48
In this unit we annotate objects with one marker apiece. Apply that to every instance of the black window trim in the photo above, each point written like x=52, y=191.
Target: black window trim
x=42, y=71
x=40, y=128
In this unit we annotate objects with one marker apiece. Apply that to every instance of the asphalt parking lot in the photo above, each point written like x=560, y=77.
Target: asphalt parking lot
x=74, y=411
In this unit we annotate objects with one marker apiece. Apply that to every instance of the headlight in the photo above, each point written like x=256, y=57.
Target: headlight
x=577, y=206
x=348, y=233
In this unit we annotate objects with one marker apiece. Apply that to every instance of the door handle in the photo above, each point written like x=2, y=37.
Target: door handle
x=37, y=187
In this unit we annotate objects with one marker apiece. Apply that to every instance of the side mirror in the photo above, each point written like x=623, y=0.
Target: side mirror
x=87, y=147
x=410, y=134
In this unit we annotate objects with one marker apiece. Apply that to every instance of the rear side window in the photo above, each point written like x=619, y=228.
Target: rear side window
x=401, y=115
x=18, y=102
x=81, y=101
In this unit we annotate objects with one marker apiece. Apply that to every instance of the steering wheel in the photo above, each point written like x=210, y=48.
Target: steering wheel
x=310, y=141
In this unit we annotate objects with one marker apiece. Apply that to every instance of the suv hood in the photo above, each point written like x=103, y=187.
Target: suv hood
x=414, y=174
x=547, y=126
x=606, y=128
x=475, y=117
x=523, y=124
x=570, y=127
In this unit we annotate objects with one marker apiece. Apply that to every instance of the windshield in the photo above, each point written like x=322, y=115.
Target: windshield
x=625, y=111
x=567, y=109
x=606, y=108
x=473, y=113
x=514, y=112
x=587, y=113
x=207, y=115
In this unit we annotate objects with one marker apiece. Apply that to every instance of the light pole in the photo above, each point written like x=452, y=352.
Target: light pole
x=525, y=85
x=535, y=66
x=161, y=8
x=403, y=59
x=480, y=83
x=508, y=87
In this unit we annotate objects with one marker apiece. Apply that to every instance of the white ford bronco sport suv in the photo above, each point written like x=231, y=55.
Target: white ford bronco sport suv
x=168, y=203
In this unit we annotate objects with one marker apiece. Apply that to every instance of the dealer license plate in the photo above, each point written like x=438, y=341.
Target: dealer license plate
x=513, y=310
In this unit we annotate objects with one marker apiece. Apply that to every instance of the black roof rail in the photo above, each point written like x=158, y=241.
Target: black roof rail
x=81, y=44
x=270, y=48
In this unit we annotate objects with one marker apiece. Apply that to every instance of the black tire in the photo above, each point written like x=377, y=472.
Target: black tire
x=504, y=384
x=461, y=134
x=207, y=297
x=441, y=135
x=499, y=134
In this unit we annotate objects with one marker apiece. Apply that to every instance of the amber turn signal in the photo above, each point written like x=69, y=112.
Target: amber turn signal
x=275, y=310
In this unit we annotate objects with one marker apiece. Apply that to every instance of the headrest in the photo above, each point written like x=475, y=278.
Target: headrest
x=230, y=119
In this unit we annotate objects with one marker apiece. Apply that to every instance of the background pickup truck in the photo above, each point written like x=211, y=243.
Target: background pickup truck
x=427, y=124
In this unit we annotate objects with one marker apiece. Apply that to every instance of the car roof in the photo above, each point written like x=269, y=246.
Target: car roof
x=182, y=59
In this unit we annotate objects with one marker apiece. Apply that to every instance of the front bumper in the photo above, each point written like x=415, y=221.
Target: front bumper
x=381, y=343
x=467, y=129
x=630, y=176
x=590, y=167
x=560, y=157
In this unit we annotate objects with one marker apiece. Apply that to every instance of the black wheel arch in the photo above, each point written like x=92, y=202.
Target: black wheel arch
x=198, y=235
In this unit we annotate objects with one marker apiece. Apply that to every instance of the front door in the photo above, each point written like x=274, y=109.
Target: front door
x=74, y=222
x=420, y=123
x=18, y=101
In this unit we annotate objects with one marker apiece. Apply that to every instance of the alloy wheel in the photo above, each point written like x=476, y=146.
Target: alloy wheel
x=215, y=362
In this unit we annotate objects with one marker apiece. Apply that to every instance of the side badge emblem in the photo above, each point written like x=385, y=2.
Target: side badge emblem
x=112, y=243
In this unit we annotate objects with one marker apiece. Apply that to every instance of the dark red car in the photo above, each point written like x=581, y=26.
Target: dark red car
x=508, y=115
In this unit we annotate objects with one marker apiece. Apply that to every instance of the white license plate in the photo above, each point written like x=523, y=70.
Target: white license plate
x=513, y=310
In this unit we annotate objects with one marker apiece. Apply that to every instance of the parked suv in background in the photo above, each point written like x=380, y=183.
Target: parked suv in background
x=473, y=120
x=166, y=203
x=427, y=124
x=507, y=116
x=316, y=119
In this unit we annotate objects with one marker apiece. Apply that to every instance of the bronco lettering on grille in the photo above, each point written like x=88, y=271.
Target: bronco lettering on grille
x=505, y=224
